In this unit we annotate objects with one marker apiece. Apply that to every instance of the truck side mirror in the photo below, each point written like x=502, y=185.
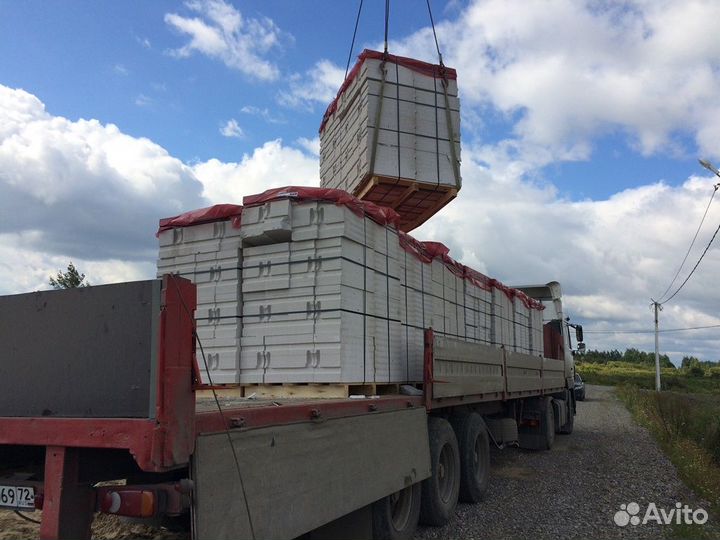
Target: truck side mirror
x=581, y=347
x=578, y=334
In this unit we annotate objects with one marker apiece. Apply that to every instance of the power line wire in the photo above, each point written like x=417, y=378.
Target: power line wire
x=691, y=245
x=649, y=331
x=694, y=267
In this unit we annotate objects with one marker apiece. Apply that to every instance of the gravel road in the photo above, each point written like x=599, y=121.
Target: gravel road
x=574, y=490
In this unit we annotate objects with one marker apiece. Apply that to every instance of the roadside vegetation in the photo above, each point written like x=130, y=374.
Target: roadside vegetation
x=684, y=417
x=613, y=368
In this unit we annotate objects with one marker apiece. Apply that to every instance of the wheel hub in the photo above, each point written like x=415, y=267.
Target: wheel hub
x=401, y=503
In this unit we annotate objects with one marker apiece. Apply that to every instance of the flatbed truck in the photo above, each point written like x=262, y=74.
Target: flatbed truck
x=101, y=410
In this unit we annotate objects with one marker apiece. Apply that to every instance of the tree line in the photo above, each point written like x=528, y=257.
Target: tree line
x=636, y=356
x=631, y=356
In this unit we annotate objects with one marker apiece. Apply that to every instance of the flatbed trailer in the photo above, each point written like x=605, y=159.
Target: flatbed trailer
x=99, y=385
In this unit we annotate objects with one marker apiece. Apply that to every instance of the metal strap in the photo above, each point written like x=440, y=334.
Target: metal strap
x=378, y=113
x=451, y=136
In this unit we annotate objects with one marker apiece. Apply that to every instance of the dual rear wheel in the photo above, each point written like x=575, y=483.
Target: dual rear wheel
x=460, y=466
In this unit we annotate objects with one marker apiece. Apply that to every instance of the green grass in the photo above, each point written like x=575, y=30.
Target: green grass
x=687, y=426
x=643, y=376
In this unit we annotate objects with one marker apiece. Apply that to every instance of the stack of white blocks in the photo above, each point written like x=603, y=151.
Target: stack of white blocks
x=321, y=296
x=210, y=255
x=478, y=313
x=412, y=143
x=310, y=292
x=502, y=320
x=537, y=335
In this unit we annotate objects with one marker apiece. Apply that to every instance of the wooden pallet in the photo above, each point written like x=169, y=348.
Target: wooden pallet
x=416, y=202
x=299, y=391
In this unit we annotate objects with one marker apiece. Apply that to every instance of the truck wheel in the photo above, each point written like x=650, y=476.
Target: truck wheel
x=440, y=491
x=474, y=445
x=549, y=431
x=395, y=517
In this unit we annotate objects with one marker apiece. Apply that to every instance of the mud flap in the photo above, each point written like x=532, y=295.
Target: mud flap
x=299, y=477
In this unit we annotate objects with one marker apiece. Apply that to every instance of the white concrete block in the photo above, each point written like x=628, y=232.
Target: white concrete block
x=268, y=223
x=332, y=353
x=219, y=341
x=266, y=267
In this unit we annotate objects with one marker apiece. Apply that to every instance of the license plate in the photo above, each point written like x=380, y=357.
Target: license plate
x=17, y=497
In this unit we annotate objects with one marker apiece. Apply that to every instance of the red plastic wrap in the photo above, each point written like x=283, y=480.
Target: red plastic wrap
x=423, y=251
x=218, y=212
x=530, y=303
x=478, y=279
x=427, y=251
x=415, y=247
x=380, y=214
x=441, y=251
x=430, y=70
x=495, y=284
x=436, y=249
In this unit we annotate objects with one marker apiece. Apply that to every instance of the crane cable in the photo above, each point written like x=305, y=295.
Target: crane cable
x=660, y=301
x=387, y=25
x=453, y=154
x=432, y=23
x=352, y=44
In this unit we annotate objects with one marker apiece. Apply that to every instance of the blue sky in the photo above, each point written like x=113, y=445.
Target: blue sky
x=581, y=129
x=111, y=61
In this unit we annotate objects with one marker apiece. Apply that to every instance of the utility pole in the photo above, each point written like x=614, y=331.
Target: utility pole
x=658, y=307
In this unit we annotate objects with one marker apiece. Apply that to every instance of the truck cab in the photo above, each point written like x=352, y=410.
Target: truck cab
x=558, y=343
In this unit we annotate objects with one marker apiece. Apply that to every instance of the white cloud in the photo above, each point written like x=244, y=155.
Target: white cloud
x=264, y=113
x=318, y=85
x=121, y=70
x=565, y=72
x=611, y=256
x=24, y=269
x=222, y=33
x=144, y=42
x=311, y=146
x=85, y=192
x=143, y=101
x=81, y=190
x=271, y=165
x=232, y=129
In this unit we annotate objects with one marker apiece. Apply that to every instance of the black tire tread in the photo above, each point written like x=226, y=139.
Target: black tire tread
x=432, y=510
x=382, y=525
x=467, y=428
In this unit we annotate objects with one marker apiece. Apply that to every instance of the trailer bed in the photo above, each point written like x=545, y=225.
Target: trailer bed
x=268, y=467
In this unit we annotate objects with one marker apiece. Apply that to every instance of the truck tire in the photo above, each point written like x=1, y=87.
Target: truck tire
x=549, y=425
x=395, y=517
x=474, y=444
x=440, y=491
